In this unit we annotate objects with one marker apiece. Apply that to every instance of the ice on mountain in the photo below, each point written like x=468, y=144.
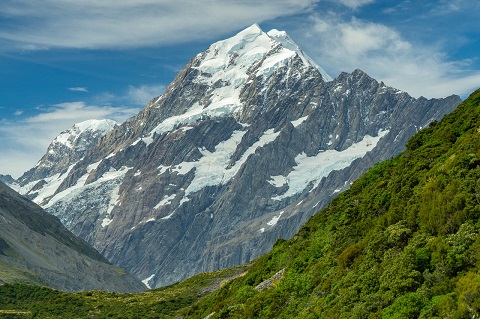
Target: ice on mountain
x=299, y=121
x=167, y=200
x=311, y=169
x=277, y=181
x=275, y=220
x=146, y=281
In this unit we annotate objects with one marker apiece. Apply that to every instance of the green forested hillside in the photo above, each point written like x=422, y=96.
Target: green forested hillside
x=402, y=242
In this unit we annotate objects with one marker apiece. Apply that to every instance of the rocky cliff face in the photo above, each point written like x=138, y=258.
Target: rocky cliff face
x=7, y=179
x=36, y=248
x=62, y=154
x=249, y=140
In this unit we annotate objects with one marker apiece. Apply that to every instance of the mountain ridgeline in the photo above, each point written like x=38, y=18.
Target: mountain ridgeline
x=402, y=242
x=246, y=144
x=36, y=248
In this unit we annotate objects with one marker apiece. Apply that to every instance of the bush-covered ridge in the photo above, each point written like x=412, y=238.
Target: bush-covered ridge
x=402, y=242
x=28, y=301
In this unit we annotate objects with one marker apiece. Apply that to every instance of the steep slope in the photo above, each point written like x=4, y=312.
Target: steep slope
x=248, y=141
x=36, y=248
x=402, y=242
x=7, y=179
x=62, y=154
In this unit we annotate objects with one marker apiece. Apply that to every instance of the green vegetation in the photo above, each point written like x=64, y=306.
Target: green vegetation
x=402, y=242
x=25, y=301
x=9, y=272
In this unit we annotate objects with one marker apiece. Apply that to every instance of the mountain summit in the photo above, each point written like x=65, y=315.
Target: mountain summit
x=249, y=140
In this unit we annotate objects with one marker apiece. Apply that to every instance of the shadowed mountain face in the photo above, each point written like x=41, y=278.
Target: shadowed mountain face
x=36, y=248
x=250, y=140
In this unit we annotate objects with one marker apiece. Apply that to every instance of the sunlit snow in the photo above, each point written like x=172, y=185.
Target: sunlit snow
x=274, y=220
x=299, y=121
x=167, y=200
x=310, y=170
x=147, y=280
x=101, y=126
x=227, y=66
x=212, y=169
x=278, y=181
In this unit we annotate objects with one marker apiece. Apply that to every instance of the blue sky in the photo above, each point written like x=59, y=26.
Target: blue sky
x=65, y=61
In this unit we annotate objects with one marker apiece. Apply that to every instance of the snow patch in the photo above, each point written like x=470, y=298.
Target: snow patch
x=106, y=221
x=111, y=155
x=278, y=181
x=50, y=187
x=310, y=170
x=274, y=220
x=146, y=281
x=212, y=168
x=71, y=135
x=93, y=166
x=115, y=195
x=283, y=38
x=167, y=200
x=299, y=121
x=184, y=200
x=168, y=216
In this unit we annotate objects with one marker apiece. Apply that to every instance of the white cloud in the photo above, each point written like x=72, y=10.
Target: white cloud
x=25, y=141
x=125, y=24
x=75, y=112
x=134, y=95
x=141, y=95
x=355, y=3
x=339, y=45
x=78, y=89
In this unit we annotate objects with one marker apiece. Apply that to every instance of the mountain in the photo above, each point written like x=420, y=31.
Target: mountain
x=62, y=154
x=36, y=248
x=402, y=242
x=249, y=140
x=7, y=179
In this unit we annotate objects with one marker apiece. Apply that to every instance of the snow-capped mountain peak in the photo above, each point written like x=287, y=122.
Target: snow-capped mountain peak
x=227, y=59
x=229, y=68
x=69, y=136
x=246, y=143
x=65, y=150
x=288, y=43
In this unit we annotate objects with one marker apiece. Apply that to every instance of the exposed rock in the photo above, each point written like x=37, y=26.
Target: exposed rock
x=250, y=140
x=270, y=282
x=36, y=248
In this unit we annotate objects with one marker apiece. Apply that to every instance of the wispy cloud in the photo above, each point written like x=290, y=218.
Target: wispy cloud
x=25, y=141
x=355, y=3
x=141, y=95
x=382, y=52
x=134, y=95
x=75, y=112
x=126, y=24
x=78, y=89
